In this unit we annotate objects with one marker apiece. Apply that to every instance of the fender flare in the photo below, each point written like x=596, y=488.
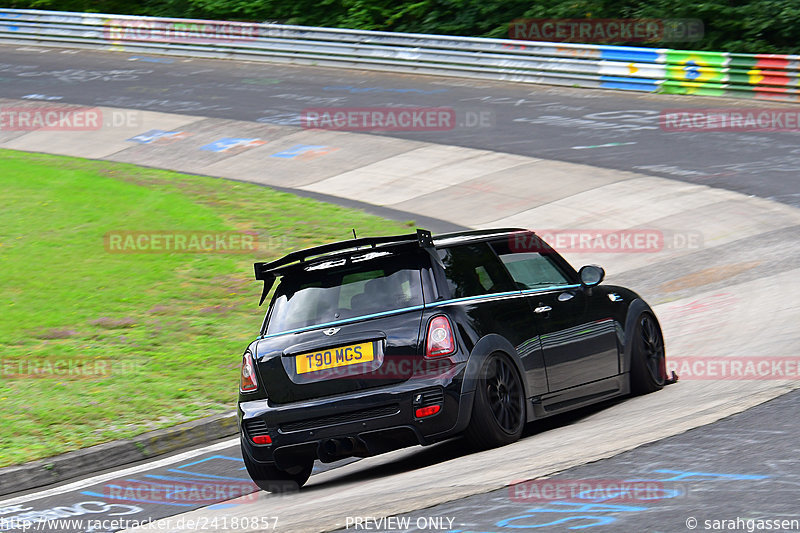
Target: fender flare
x=485, y=347
x=635, y=309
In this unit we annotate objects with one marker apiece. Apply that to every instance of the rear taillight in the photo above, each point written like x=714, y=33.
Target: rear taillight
x=248, y=381
x=440, y=338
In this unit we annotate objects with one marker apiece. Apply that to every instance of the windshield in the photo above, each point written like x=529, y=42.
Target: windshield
x=346, y=288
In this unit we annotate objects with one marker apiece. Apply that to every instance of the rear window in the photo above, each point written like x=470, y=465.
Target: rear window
x=346, y=288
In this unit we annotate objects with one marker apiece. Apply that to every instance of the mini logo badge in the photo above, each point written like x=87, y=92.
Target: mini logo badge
x=331, y=331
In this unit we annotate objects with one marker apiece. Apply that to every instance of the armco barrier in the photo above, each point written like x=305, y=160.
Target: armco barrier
x=764, y=76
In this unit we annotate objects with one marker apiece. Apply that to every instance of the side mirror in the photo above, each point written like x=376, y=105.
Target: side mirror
x=591, y=275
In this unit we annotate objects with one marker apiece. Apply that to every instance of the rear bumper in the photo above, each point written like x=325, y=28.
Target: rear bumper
x=361, y=423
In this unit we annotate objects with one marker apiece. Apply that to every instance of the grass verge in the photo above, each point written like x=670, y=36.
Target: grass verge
x=98, y=346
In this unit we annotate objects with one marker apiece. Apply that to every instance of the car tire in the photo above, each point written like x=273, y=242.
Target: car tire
x=272, y=479
x=498, y=410
x=648, y=361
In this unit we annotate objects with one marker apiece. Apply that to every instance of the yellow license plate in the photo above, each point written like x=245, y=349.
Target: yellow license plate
x=335, y=357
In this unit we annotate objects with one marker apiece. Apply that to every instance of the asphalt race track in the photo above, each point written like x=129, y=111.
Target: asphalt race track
x=149, y=491
x=670, y=485
x=599, y=159
x=656, y=487
x=607, y=129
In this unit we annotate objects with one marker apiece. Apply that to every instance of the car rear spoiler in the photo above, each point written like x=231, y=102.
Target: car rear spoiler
x=268, y=272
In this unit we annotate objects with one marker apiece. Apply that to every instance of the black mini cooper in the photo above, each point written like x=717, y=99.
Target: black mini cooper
x=374, y=344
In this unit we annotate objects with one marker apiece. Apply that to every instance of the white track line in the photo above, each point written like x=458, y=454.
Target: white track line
x=83, y=483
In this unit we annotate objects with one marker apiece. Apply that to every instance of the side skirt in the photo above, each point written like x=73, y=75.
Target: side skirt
x=581, y=396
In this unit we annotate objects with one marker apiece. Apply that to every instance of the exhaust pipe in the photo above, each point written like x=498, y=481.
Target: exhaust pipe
x=333, y=449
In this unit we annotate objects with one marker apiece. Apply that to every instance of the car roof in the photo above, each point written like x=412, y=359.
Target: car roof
x=462, y=237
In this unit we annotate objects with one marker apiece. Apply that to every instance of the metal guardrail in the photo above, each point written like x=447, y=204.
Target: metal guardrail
x=763, y=76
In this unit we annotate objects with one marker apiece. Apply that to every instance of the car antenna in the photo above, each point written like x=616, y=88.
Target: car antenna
x=354, y=233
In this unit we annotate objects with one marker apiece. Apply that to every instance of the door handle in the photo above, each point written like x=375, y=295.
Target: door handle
x=543, y=309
